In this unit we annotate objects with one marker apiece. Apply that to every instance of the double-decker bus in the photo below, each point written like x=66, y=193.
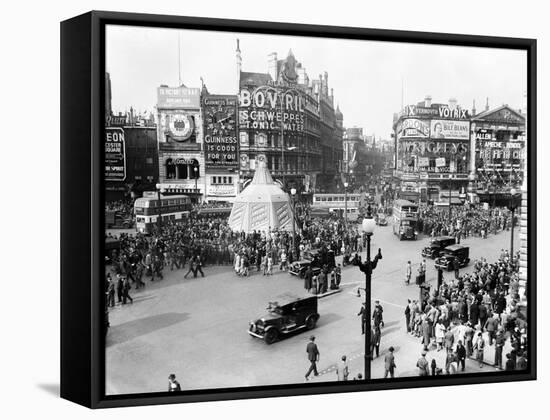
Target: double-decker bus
x=173, y=208
x=405, y=219
x=336, y=204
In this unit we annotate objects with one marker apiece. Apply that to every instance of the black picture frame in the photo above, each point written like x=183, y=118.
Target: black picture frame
x=82, y=212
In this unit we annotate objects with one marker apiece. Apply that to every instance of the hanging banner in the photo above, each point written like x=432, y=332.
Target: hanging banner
x=115, y=154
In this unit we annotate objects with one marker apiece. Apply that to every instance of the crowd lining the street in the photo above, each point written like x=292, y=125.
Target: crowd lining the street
x=470, y=312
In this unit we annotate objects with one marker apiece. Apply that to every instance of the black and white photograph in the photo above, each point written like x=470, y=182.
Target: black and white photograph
x=287, y=210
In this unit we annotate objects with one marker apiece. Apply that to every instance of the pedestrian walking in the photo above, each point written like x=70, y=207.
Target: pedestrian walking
x=308, y=276
x=376, y=336
x=389, y=363
x=479, y=347
x=126, y=291
x=313, y=356
x=192, y=268
x=408, y=315
x=461, y=355
x=499, y=345
x=173, y=384
x=120, y=288
x=199, y=262
x=377, y=316
x=408, y=273
x=422, y=364
x=363, y=314
x=342, y=369
x=111, y=293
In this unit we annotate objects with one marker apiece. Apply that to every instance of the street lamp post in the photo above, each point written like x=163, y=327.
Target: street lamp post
x=367, y=267
x=346, y=204
x=512, y=206
x=159, y=213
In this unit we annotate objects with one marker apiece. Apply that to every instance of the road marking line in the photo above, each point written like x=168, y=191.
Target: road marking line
x=390, y=303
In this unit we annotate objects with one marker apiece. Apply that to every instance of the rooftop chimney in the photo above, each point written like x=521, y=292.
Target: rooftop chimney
x=428, y=101
x=452, y=103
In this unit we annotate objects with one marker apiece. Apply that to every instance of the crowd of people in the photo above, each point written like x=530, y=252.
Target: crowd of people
x=125, y=207
x=464, y=222
x=469, y=313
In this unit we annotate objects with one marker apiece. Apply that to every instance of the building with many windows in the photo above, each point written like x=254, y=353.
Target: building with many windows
x=432, y=150
x=180, y=141
x=499, y=144
x=290, y=122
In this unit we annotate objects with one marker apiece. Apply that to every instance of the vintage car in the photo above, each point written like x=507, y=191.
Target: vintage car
x=437, y=245
x=310, y=258
x=446, y=261
x=381, y=219
x=287, y=314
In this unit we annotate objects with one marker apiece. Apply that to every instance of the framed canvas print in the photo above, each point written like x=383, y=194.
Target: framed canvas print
x=257, y=209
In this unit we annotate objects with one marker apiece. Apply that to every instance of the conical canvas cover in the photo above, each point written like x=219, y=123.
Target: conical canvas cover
x=261, y=206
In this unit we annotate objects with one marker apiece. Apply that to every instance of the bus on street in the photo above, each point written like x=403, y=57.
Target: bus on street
x=405, y=219
x=172, y=208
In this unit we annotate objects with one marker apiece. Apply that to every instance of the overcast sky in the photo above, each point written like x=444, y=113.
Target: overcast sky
x=366, y=76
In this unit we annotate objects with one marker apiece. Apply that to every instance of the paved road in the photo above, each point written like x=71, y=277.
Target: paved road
x=197, y=328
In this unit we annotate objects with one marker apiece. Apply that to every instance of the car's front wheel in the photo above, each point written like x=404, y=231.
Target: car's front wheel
x=271, y=336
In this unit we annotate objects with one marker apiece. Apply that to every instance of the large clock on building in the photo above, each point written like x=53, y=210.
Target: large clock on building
x=220, y=120
x=181, y=127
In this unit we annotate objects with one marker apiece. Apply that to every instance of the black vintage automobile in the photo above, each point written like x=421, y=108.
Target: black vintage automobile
x=287, y=314
x=310, y=258
x=437, y=245
x=450, y=253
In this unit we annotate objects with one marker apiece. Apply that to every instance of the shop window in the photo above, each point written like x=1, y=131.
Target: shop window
x=170, y=169
x=230, y=180
x=182, y=171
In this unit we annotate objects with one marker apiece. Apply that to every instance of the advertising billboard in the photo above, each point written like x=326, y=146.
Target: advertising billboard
x=178, y=98
x=115, y=154
x=267, y=107
x=221, y=146
x=450, y=129
x=413, y=127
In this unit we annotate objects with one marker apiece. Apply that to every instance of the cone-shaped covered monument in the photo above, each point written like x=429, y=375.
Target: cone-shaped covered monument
x=262, y=205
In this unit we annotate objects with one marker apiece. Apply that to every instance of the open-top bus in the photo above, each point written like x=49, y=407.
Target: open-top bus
x=405, y=219
x=173, y=208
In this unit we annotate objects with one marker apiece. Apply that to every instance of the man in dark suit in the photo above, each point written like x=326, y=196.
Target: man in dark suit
x=461, y=355
x=363, y=315
x=313, y=356
x=389, y=363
